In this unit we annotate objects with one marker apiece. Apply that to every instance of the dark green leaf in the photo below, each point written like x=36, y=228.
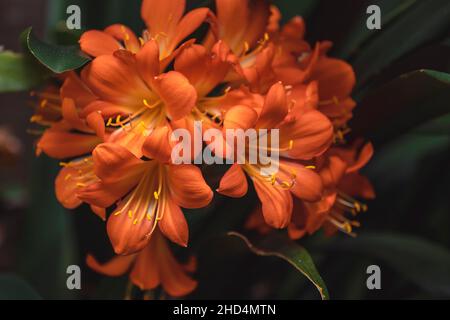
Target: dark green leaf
x=48, y=245
x=13, y=287
x=279, y=246
x=425, y=263
x=400, y=105
x=55, y=57
x=423, y=22
x=18, y=72
x=390, y=10
x=289, y=9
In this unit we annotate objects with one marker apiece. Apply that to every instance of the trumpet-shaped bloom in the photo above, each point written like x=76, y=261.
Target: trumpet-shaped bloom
x=148, y=193
x=165, y=23
x=154, y=266
x=301, y=138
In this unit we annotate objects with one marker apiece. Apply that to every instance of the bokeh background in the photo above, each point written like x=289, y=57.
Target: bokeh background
x=406, y=230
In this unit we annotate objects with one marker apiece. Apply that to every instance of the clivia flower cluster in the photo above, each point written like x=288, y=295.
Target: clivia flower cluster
x=111, y=123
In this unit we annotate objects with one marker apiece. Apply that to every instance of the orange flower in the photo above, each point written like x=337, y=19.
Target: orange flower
x=242, y=25
x=342, y=182
x=133, y=96
x=155, y=265
x=148, y=193
x=165, y=24
x=302, y=137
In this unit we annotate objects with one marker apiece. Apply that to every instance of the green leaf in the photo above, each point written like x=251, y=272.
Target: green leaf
x=400, y=105
x=424, y=21
x=48, y=244
x=286, y=249
x=424, y=263
x=289, y=8
x=390, y=11
x=18, y=72
x=57, y=58
x=13, y=287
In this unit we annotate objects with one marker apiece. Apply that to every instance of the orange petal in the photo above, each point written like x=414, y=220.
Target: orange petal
x=276, y=203
x=336, y=78
x=240, y=117
x=129, y=229
x=275, y=107
x=188, y=24
x=174, y=279
x=61, y=144
x=99, y=211
x=114, y=78
x=146, y=270
x=188, y=188
x=173, y=224
x=364, y=156
x=65, y=188
x=252, y=16
x=70, y=115
x=106, y=109
x=333, y=172
x=357, y=185
x=97, y=43
x=157, y=145
x=311, y=133
x=113, y=162
x=76, y=90
x=113, y=268
x=148, y=61
x=308, y=185
x=178, y=95
x=233, y=183
x=124, y=34
x=95, y=122
x=204, y=70
x=162, y=17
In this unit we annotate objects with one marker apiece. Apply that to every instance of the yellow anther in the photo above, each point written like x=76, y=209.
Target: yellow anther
x=355, y=223
x=286, y=185
x=81, y=185
x=67, y=177
x=43, y=103
x=357, y=206
x=347, y=227
x=156, y=195
x=227, y=89
x=64, y=164
x=246, y=47
x=118, y=118
x=110, y=120
x=135, y=221
x=311, y=167
x=149, y=217
x=35, y=118
x=117, y=213
x=141, y=41
x=266, y=37
x=291, y=144
x=335, y=100
x=130, y=214
x=273, y=178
